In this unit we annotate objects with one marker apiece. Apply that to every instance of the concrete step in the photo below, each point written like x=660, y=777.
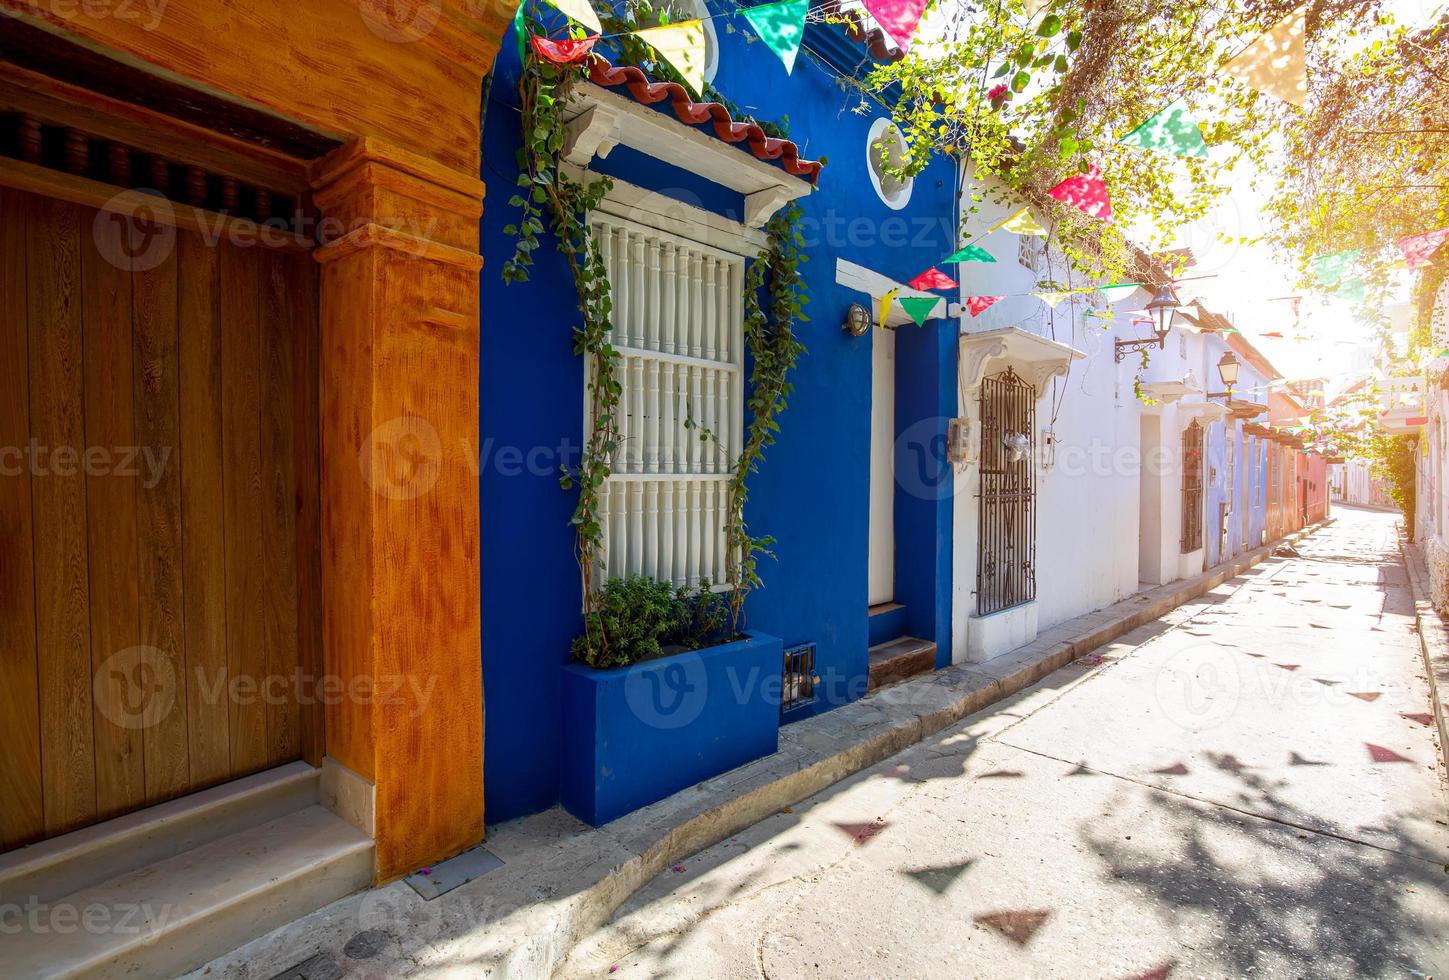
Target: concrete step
x=62, y=865
x=898, y=659
x=169, y=917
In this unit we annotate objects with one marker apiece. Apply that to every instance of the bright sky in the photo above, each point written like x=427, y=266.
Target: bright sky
x=1250, y=277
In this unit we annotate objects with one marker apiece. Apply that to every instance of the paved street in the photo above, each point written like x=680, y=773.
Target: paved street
x=1248, y=787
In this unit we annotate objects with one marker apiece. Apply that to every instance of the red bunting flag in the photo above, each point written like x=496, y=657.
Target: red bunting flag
x=1087, y=192
x=932, y=278
x=565, y=51
x=1419, y=249
x=976, y=304
x=898, y=18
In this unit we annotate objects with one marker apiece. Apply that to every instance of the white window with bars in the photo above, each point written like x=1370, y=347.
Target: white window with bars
x=678, y=325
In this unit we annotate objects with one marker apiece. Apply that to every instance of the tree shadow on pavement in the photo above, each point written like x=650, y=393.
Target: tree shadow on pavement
x=1278, y=896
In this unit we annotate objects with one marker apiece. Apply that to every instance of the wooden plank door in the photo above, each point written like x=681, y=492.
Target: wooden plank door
x=159, y=607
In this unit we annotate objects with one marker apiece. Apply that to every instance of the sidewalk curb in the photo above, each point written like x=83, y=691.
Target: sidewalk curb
x=561, y=881
x=1433, y=639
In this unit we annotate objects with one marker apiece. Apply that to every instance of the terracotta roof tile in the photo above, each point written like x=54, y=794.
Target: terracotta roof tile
x=761, y=144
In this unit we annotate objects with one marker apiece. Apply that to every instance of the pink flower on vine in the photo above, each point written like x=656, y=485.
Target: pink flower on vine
x=999, y=93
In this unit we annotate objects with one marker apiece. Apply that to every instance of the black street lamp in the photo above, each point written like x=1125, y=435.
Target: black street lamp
x=1163, y=304
x=1228, y=366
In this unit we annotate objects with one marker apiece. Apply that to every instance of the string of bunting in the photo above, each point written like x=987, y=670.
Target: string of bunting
x=780, y=25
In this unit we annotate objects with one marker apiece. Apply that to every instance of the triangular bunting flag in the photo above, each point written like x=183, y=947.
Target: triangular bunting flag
x=1276, y=62
x=682, y=45
x=1087, y=192
x=932, y=278
x=1331, y=268
x=1171, y=131
x=1351, y=290
x=898, y=18
x=918, y=307
x=1419, y=249
x=581, y=11
x=520, y=32
x=971, y=253
x=1053, y=298
x=781, y=26
x=1119, y=291
x=565, y=51
x=885, y=306
x=1020, y=223
x=976, y=304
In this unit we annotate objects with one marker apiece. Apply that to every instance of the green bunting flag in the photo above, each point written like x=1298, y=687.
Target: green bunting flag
x=1120, y=290
x=971, y=253
x=781, y=26
x=520, y=32
x=1171, y=131
x=918, y=307
x=1351, y=290
x=1331, y=268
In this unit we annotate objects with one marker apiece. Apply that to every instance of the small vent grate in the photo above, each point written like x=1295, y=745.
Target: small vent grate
x=800, y=679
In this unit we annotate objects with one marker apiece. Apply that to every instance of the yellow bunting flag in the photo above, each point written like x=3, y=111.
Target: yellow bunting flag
x=682, y=45
x=1051, y=298
x=885, y=305
x=1276, y=62
x=581, y=11
x=1020, y=223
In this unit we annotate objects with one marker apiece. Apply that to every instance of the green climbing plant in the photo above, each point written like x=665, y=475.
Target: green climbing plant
x=774, y=348
x=545, y=191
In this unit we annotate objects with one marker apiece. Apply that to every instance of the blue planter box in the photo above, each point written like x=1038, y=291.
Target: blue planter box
x=633, y=735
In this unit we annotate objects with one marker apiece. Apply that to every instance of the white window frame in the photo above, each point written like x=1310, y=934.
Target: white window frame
x=665, y=503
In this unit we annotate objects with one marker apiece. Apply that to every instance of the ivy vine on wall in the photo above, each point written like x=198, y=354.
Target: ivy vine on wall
x=545, y=193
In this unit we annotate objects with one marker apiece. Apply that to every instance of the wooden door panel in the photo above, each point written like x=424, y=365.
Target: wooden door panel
x=241, y=441
x=158, y=429
x=111, y=524
x=160, y=588
x=58, y=507
x=22, y=818
x=203, y=542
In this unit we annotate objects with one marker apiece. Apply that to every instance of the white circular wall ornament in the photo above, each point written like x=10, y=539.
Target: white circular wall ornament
x=884, y=134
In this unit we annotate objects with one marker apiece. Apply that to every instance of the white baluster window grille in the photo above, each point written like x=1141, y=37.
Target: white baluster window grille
x=678, y=325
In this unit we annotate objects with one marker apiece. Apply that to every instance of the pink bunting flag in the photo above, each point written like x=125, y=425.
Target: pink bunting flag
x=564, y=51
x=1419, y=249
x=976, y=304
x=1087, y=192
x=932, y=278
x=898, y=18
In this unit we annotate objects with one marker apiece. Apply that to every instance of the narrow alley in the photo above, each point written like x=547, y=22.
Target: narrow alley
x=1249, y=786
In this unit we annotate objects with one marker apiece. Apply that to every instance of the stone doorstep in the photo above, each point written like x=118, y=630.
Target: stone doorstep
x=563, y=880
x=1433, y=642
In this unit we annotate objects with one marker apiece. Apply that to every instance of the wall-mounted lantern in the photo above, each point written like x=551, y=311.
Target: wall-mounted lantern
x=1163, y=305
x=1228, y=370
x=857, y=321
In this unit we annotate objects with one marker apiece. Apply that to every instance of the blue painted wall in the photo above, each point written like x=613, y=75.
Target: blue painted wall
x=812, y=490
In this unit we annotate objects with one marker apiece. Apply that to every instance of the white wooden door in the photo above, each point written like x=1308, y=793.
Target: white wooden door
x=882, y=584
